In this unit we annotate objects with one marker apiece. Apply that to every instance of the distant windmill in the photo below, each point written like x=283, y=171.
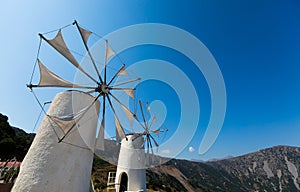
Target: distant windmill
x=134, y=152
x=147, y=133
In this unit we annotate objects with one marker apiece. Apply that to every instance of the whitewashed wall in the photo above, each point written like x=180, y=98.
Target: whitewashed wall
x=56, y=167
x=132, y=162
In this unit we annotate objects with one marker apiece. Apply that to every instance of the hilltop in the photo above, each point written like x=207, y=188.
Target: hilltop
x=14, y=142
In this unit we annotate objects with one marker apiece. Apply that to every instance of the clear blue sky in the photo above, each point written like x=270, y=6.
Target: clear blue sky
x=256, y=44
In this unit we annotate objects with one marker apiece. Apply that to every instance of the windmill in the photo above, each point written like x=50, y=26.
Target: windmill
x=103, y=86
x=134, y=152
x=60, y=157
x=147, y=133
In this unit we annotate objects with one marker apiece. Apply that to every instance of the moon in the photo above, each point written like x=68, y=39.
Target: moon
x=191, y=149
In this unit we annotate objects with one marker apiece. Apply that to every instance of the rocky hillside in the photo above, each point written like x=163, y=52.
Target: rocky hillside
x=272, y=169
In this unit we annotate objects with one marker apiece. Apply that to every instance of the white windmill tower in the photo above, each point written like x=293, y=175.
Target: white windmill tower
x=60, y=157
x=135, y=155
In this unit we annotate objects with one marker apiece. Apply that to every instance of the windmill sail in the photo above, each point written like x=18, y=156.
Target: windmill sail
x=69, y=121
x=50, y=79
x=128, y=113
x=109, y=52
x=59, y=45
x=85, y=34
x=100, y=140
x=122, y=71
x=119, y=130
x=64, y=125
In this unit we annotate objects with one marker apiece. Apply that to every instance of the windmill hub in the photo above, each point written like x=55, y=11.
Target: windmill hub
x=103, y=88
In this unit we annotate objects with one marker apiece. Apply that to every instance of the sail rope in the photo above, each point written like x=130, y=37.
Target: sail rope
x=36, y=60
x=56, y=29
x=40, y=114
x=74, y=145
x=51, y=125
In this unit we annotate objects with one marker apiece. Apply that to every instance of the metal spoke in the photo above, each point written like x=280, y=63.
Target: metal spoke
x=30, y=86
x=119, y=88
x=152, y=121
x=116, y=117
x=156, y=144
x=123, y=83
x=134, y=116
x=103, y=111
x=141, y=106
x=116, y=74
x=91, y=91
x=87, y=48
x=151, y=146
x=60, y=140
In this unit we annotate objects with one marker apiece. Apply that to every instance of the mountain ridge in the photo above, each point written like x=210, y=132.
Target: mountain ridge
x=271, y=169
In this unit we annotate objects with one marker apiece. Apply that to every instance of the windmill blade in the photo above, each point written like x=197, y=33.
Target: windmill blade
x=122, y=71
x=148, y=107
x=127, y=110
x=128, y=91
x=79, y=117
x=120, y=131
x=159, y=130
x=116, y=74
x=156, y=144
x=135, y=106
x=119, y=128
x=151, y=146
x=105, y=70
x=126, y=82
x=85, y=35
x=152, y=121
x=100, y=139
x=91, y=91
x=50, y=79
x=60, y=46
x=148, y=145
x=156, y=132
x=108, y=54
x=141, y=106
x=128, y=113
x=147, y=114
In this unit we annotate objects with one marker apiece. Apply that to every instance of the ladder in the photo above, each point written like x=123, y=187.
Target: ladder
x=111, y=182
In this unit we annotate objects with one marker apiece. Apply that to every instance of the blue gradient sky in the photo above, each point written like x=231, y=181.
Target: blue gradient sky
x=256, y=44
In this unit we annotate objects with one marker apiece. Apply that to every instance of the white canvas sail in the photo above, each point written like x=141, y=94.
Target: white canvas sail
x=50, y=79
